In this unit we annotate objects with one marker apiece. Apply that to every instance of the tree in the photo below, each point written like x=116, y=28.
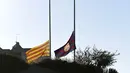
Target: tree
x=99, y=58
x=111, y=70
x=62, y=66
x=11, y=64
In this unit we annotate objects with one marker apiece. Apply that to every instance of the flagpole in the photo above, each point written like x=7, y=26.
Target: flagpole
x=50, y=26
x=74, y=27
x=17, y=37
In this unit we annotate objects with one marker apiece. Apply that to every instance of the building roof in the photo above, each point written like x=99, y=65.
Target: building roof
x=17, y=48
x=1, y=49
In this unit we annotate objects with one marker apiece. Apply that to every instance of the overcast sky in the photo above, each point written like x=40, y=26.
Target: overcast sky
x=105, y=23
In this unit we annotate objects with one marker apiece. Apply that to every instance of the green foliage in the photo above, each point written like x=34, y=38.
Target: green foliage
x=61, y=66
x=10, y=64
x=111, y=70
x=99, y=58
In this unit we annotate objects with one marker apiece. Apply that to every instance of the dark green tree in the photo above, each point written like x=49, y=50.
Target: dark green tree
x=111, y=70
x=93, y=56
x=11, y=64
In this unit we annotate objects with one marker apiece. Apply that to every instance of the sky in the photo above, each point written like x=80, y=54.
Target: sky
x=104, y=23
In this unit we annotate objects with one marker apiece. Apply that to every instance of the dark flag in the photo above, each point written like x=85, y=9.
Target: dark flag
x=68, y=47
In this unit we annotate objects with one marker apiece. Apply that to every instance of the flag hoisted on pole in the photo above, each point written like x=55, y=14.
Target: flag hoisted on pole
x=38, y=51
x=67, y=48
x=74, y=28
x=41, y=50
x=50, y=26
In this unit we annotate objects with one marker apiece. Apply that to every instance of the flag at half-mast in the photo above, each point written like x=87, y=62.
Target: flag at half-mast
x=37, y=52
x=68, y=47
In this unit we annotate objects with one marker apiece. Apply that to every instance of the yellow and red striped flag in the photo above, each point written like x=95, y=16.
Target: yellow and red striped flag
x=37, y=52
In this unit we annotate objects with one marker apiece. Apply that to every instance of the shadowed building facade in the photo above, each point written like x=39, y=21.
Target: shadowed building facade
x=16, y=51
x=19, y=52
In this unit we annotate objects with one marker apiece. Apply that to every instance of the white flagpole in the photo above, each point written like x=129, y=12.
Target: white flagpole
x=17, y=37
x=50, y=26
x=74, y=28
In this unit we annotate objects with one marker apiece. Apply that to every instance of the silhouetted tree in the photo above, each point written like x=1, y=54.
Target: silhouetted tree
x=61, y=66
x=10, y=64
x=99, y=58
x=111, y=70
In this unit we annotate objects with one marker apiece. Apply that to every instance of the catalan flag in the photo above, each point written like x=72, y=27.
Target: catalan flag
x=38, y=51
x=68, y=47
